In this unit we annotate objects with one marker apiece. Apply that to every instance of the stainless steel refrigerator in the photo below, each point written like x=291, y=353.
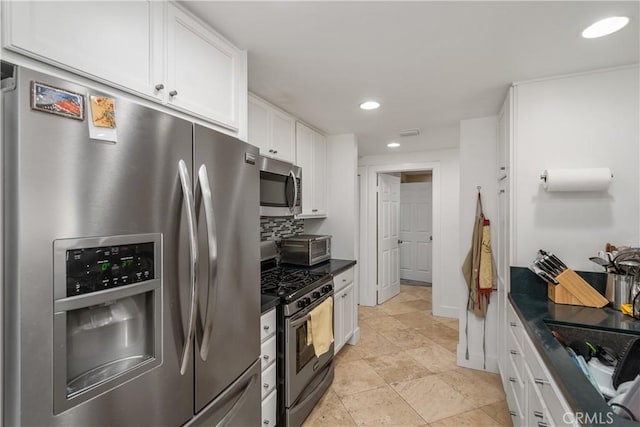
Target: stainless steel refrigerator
x=131, y=273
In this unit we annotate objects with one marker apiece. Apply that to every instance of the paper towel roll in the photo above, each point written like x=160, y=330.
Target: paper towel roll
x=592, y=179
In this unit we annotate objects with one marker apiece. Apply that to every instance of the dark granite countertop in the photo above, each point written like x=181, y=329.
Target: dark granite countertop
x=529, y=298
x=268, y=302
x=333, y=266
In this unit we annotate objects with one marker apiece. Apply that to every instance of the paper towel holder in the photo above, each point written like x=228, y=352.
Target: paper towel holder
x=543, y=176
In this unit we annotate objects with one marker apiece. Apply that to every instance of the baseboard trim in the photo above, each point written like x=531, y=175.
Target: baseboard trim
x=446, y=311
x=355, y=337
x=475, y=361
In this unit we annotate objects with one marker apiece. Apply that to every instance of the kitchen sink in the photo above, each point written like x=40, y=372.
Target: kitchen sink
x=614, y=340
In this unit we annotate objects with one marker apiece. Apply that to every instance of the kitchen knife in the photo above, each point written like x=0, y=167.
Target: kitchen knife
x=557, y=265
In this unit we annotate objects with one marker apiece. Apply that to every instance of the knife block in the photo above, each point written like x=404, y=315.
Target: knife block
x=573, y=290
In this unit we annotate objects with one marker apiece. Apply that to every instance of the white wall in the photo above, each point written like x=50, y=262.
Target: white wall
x=448, y=294
x=478, y=167
x=587, y=120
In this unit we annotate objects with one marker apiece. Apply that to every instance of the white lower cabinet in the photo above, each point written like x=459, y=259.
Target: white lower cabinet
x=533, y=397
x=344, y=309
x=268, y=360
x=269, y=409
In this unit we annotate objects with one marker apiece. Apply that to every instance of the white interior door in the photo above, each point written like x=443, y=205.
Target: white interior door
x=416, y=231
x=388, y=236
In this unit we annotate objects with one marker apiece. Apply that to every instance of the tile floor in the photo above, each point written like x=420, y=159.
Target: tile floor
x=403, y=373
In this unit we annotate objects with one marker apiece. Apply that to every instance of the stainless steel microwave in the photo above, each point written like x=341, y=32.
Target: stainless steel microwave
x=280, y=188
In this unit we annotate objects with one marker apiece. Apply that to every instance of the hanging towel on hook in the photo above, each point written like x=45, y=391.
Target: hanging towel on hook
x=479, y=268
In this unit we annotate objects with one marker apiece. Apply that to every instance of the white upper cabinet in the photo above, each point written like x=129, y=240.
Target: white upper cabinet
x=150, y=48
x=283, y=135
x=120, y=43
x=311, y=156
x=203, y=70
x=272, y=130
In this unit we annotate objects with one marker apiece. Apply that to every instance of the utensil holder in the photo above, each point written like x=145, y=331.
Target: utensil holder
x=619, y=289
x=573, y=290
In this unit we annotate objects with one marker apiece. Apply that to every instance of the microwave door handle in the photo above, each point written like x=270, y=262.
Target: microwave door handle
x=212, y=243
x=193, y=251
x=295, y=191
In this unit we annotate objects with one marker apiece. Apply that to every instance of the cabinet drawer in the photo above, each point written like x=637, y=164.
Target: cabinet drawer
x=267, y=324
x=268, y=352
x=537, y=414
x=515, y=411
x=515, y=393
x=268, y=380
x=269, y=410
x=515, y=355
x=514, y=325
x=343, y=279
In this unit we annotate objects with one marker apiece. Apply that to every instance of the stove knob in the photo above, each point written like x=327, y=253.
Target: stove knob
x=301, y=304
x=307, y=301
x=316, y=294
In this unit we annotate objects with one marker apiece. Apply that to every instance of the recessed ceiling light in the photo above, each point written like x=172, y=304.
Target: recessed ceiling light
x=393, y=145
x=604, y=27
x=370, y=105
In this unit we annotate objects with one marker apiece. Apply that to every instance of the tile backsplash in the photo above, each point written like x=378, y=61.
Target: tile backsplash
x=274, y=228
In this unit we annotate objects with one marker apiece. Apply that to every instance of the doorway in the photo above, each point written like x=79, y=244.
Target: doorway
x=416, y=223
x=404, y=212
x=373, y=277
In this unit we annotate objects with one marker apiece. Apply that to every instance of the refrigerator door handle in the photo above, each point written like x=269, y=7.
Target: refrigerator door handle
x=193, y=250
x=212, y=242
x=236, y=406
x=295, y=191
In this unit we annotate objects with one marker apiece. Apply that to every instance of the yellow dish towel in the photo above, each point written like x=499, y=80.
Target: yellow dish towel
x=320, y=327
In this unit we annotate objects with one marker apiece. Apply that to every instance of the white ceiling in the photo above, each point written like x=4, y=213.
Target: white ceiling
x=430, y=64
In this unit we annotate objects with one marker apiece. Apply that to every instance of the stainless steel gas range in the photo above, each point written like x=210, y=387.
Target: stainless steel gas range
x=302, y=376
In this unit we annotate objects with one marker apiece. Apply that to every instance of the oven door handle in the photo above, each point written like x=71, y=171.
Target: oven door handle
x=295, y=191
x=187, y=195
x=212, y=243
x=299, y=322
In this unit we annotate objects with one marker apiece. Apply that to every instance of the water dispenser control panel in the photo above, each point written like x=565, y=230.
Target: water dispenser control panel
x=95, y=269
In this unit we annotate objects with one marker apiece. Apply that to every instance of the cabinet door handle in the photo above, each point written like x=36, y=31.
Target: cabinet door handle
x=173, y=93
x=265, y=357
x=540, y=381
x=265, y=422
x=265, y=327
x=503, y=168
x=541, y=424
x=314, y=210
x=159, y=86
x=266, y=386
x=513, y=413
x=538, y=414
x=275, y=151
x=513, y=324
x=515, y=353
x=512, y=379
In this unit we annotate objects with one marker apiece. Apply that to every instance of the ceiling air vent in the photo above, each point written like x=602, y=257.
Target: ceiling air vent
x=410, y=132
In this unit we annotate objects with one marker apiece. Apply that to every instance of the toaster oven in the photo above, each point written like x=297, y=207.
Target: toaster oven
x=305, y=249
